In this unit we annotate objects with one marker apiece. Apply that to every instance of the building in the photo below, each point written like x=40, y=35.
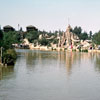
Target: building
x=68, y=38
x=31, y=28
x=8, y=28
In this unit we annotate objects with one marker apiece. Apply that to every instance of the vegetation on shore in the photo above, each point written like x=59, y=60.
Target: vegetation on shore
x=33, y=36
x=15, y=37
x=8, y=54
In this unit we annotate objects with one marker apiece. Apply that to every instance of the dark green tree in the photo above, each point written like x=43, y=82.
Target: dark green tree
x=44, y=42
x=77, y=31
x=10, y=38
x=90, y=35
x=31, y=36
x=84, y=36
x=1, y=37
x=96, y=38
x=9, y=57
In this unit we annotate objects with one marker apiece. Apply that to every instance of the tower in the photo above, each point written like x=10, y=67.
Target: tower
x=68, y=35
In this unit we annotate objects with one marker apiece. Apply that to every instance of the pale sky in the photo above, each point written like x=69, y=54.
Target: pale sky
x=51, y=14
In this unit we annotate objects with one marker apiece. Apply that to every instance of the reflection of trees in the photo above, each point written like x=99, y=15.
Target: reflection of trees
x=97, y=62
x=68, y=59
x=36, y=57
x=5, y=71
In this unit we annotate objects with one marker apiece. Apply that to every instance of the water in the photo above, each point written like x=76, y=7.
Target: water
x=46, y=75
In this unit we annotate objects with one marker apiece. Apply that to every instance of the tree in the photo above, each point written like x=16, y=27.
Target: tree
x=77, y=30
x=84, y=36
x=44, y=42
x=96, y=38
x=10, y=38
x=1, y=37
x=31, y=36
x=90, y=35
x=6, y=41
x=9, y=57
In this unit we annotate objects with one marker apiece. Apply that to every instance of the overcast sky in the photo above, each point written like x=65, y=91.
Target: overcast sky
x=51, y=14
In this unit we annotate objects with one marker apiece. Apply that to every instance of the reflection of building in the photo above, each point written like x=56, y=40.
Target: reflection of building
x=31, y=28
x=8, y=28
x=69, y=59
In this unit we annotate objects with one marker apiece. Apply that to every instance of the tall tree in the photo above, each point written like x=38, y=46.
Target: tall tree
x=77, y=30
x=84, y=36
x=10, y=38
x=90, y=34
x=1, y=37
x=96, y=38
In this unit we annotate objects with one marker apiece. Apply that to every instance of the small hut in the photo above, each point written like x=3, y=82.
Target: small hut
x=8, y=28
x=31, y=28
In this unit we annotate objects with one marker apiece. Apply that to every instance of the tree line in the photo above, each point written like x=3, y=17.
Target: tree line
x=12, y=37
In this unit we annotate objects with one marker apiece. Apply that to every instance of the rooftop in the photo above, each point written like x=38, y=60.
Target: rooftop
x=8, y=26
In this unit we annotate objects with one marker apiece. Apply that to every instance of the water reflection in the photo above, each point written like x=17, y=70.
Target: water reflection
x=51, y=75
x=6, y=71
x=67, y=59
x=62, y=59
x=72, y=59
x=97, y=62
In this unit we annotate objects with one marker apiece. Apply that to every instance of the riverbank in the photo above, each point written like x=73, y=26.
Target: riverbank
x=8, y=57
x=45, y=48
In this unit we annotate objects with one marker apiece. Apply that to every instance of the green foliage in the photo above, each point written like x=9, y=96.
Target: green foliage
x=9, y=57
x=10, y=38
x=74, y=50
x=85, y=50
x=44, y=42
x=78, y=32
x=55, y=41
x=1, y=37
x=6, y=41
x=96, y=38
x=80, y=49
x=90, y=35
x=31, y=36
x=83, y=36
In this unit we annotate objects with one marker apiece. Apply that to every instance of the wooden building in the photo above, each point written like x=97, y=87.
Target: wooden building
x=31, y=28
x=8, y=28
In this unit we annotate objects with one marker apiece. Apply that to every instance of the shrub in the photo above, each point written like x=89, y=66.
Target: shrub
x=85, y=50
x=9, y=57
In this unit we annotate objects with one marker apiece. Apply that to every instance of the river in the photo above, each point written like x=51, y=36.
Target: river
x=51, y=75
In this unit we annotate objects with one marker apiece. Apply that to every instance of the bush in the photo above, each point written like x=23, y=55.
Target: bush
x=74, y=50
x=85, y=50
x=9, y=57
x=80, y=49
x=44, y=42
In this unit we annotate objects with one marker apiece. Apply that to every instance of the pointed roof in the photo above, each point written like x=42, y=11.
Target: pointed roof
x=68, y=28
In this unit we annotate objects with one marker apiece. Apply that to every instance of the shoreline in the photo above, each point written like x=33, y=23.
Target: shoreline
x=45, y=48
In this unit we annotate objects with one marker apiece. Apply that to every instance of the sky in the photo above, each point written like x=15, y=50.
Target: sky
x=51, y=14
